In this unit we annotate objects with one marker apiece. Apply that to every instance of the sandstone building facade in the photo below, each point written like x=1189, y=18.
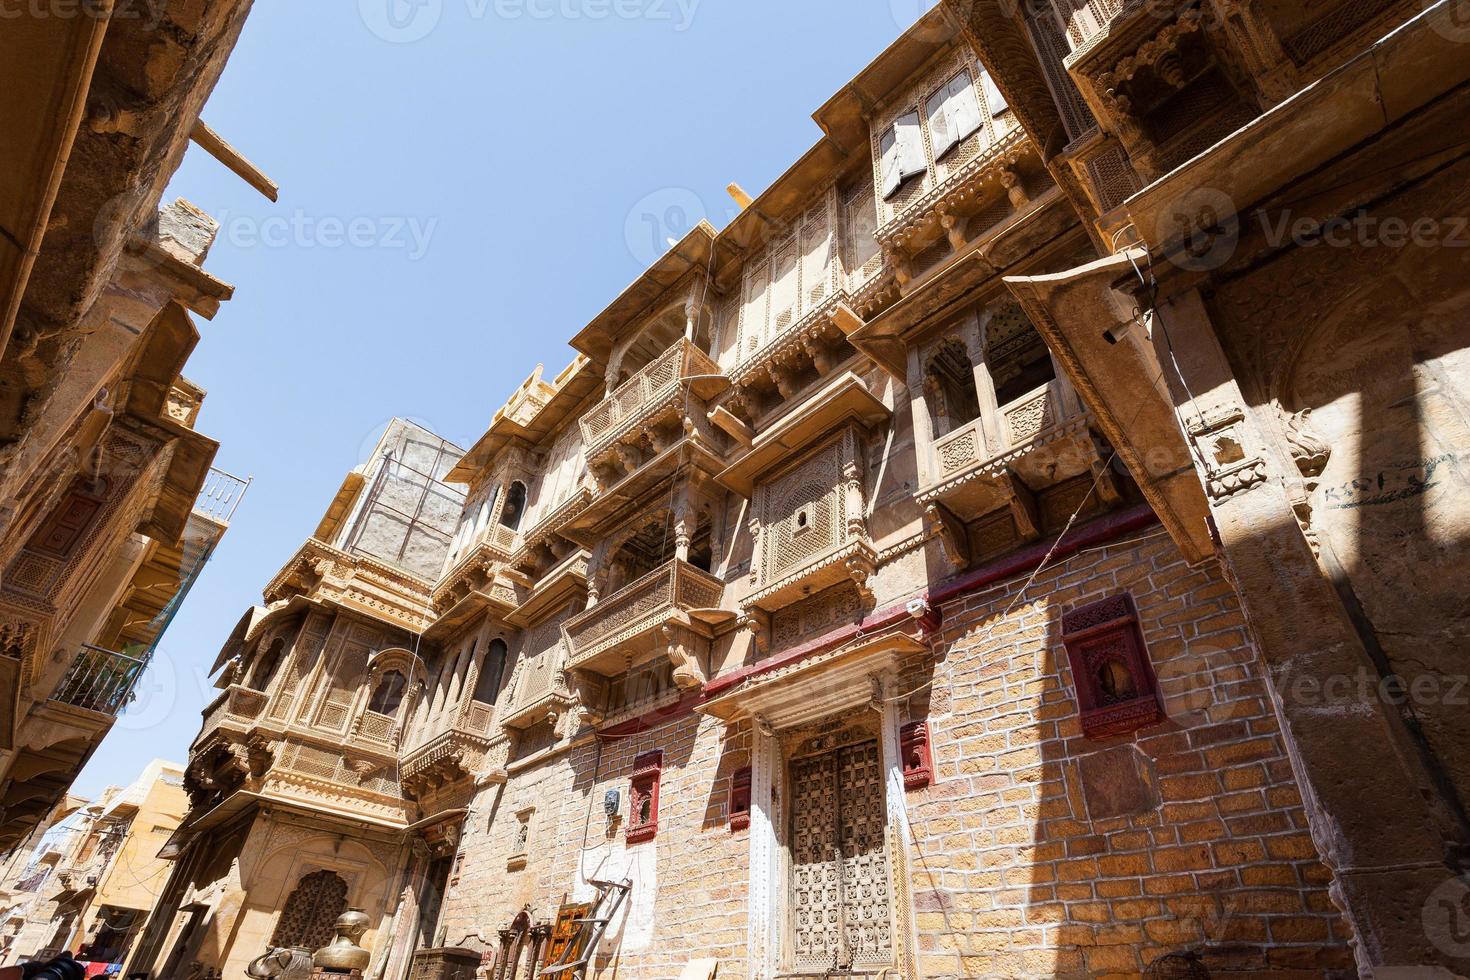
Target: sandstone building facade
x=109, y=505
x=911, y=578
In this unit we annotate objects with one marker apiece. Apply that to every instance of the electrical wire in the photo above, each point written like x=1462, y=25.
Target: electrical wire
x=1015, y=600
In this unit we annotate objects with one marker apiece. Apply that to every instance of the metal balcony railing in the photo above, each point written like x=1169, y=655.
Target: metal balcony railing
x=220, y=495
x=100, y=680
x=660, y=377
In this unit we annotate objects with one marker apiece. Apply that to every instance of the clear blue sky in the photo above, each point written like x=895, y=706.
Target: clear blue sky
x=454, y=206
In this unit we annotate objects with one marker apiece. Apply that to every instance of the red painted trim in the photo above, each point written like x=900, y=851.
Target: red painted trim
x=874, y=621
x=1103, y=529
x=1100, y=531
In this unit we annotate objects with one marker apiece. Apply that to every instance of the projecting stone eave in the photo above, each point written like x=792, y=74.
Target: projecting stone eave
x=573, y=390
x=690, y=254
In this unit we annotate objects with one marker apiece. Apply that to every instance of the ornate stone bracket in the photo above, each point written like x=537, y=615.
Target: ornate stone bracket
x=689, y=674
x=950, y=531
x=1229, y=469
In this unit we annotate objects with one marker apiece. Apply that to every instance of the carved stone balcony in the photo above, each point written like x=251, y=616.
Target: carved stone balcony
x=670, y=610
x=989, y=184
x=653, y=418
x=320, y=572
x=478, y=582
x=450, y=756
x=540, y=695
x=809, y=527
x=803, y=353
x=551, y=590
x=654, y=389
x=234, y=711
x=1002, y=464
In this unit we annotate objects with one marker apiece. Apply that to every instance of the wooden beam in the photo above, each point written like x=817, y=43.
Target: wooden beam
x=218, y=147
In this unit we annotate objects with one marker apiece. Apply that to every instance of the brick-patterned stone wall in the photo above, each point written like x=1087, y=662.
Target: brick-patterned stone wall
x=1039, y=852
x=688, y=897
x=1036, y=852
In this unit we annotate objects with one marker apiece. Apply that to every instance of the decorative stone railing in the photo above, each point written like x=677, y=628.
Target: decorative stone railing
x=100, y=680
x=1085, y=20
x=377, y=727
x=236, y=704
x=962, y=191
x=1015, y=427
x=321, y=572
x=632, y=400
x=667, y=594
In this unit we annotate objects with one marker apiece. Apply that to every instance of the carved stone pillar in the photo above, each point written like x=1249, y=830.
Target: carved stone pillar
x=852, y=474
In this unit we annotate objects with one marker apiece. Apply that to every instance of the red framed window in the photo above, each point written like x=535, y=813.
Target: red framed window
x=1117, y=691
x=643, y=796
x=740, y=799
x=913, y=744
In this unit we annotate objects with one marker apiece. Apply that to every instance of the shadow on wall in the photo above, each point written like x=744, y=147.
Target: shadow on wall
x=1182, y=845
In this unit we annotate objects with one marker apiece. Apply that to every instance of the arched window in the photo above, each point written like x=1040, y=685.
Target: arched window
x=311, y=911
x=268, y=664
x=388, y=695
x=1016, y=355
x=949, y=385
x=515, y=506
x=492, y=671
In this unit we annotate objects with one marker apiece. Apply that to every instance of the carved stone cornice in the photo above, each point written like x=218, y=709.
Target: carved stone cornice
x=323, y=573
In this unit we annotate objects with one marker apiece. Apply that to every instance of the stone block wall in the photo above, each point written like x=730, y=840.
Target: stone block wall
x=689, y=881
x=1035, y=851
x=1039, y=852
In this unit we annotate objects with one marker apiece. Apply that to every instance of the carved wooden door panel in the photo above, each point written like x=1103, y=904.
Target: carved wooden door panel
x=840, y=913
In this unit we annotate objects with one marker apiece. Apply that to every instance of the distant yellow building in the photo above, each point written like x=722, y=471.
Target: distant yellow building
x=91, y=879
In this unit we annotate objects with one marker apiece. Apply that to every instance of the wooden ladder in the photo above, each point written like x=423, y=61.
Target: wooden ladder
x=610, y=897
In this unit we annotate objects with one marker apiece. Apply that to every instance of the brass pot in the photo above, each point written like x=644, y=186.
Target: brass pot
x=343, y=953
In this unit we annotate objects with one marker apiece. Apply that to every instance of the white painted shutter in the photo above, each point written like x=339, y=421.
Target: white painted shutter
x=994, y=100
x=964, y=108
x=941, y=135
x=910, y=146
x=888, y=163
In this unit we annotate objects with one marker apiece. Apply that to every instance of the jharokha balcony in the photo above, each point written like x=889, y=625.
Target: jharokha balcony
x=968, y=196
x=671, y=610
x=235, y=710
x=651, y=413
x=1009, y=473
